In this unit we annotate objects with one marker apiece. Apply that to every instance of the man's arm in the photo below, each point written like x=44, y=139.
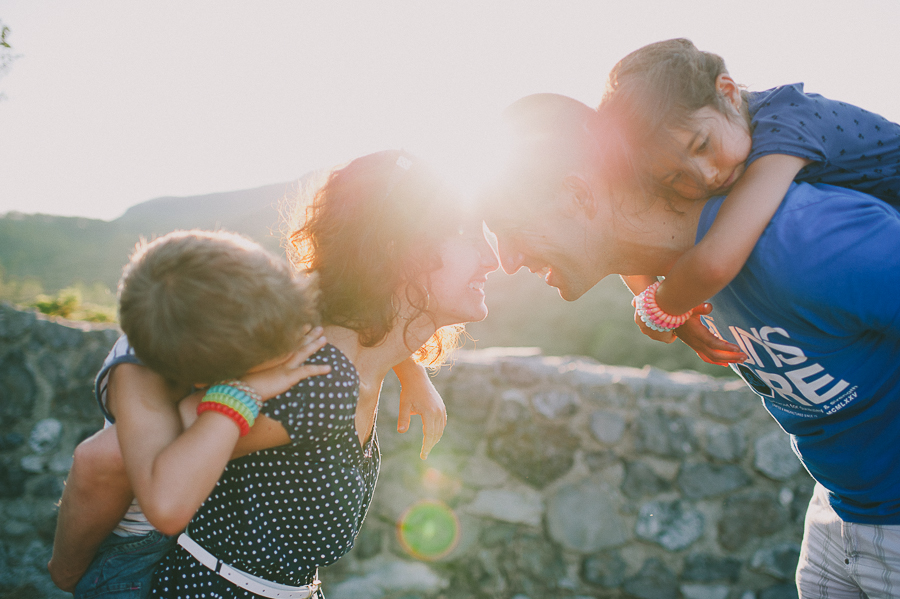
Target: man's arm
x=95, y=498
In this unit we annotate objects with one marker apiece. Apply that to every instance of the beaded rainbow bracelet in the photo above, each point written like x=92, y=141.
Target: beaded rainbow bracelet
x=653, y=316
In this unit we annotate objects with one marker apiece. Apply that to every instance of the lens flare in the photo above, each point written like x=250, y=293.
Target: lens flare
x=428, y=530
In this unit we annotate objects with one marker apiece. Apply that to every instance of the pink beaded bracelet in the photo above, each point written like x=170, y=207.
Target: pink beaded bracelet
x=653, y=316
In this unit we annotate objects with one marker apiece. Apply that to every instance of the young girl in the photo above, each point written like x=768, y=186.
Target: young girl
x=692, y=131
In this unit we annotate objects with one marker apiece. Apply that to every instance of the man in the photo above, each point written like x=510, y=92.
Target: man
x=815, y=309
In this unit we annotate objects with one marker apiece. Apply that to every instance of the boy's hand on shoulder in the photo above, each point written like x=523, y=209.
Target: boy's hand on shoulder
x=285, y=372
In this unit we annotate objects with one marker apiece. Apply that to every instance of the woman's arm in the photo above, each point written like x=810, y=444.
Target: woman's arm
x=709, y=266
x=418, y=396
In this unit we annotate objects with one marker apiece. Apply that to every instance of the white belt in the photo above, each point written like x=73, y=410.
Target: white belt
x=254, y=584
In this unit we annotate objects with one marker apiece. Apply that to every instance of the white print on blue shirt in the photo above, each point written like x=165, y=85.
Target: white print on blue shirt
x=807, y=385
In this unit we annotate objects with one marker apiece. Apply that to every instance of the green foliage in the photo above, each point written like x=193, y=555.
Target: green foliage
x=6, y=55
x=63, y=304
x=94, y=303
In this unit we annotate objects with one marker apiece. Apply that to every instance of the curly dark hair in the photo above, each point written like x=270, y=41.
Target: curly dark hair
x=366, y=234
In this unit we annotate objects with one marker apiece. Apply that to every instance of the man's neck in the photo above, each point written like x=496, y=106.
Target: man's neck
x=655, y=233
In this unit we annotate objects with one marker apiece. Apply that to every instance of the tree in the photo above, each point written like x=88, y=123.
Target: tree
x=6, y=54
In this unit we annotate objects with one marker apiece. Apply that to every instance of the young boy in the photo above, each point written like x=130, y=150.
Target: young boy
x=196, y=307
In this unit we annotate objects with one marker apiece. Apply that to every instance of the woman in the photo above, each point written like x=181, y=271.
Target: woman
x=400, y=267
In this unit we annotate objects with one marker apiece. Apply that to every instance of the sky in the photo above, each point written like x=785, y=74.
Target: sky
x=115, y=102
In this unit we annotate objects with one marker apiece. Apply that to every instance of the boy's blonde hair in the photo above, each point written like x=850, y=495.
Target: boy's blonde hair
x=202, y=306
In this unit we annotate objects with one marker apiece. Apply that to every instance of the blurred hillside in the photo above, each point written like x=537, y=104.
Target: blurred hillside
x=50, y=253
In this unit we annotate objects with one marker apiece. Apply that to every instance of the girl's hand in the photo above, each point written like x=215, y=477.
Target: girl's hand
x=708, y=346
x=665, y=337
x=285, y=372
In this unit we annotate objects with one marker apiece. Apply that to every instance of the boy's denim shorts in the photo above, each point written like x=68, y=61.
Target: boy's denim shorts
x=123, y=567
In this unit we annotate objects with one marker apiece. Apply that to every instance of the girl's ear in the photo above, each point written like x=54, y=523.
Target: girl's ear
x=581, y=195
x=726, y=86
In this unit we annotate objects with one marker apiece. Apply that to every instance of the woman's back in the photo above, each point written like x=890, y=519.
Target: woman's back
x=280, y=513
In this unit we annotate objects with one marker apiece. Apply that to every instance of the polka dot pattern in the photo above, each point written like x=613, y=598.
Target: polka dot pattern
x=282, y=512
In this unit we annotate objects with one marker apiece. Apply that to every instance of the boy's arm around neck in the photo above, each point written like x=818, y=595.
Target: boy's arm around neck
x=171, y=472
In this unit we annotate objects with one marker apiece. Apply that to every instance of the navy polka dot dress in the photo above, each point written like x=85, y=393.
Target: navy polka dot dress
x=282, y=512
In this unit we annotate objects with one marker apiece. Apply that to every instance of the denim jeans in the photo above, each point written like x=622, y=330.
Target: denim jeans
x=123, y=567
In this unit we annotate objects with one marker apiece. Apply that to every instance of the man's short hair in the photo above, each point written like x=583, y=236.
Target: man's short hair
x=202, y=306
x=548, y=137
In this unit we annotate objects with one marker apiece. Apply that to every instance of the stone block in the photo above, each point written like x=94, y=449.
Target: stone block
x=774, y=456
x=471, y=398
x=605, y=569
x=780, y=591
x=15, y=324
x=751, y=514
x=700, y=480
x=535, y=452
x=18, y=388
x=778, y=560
x=726, y=443
x=704, y=591
x=524, y=506
x=581, y=516
x=654, y=581
x=12, y=479
x=703, y=567
x=555, y=403
x=641, y=480
x=58, y=336
x=730, y=404
x=672, y=524
x=45, y=435
x=607, y=427
x=668, y=435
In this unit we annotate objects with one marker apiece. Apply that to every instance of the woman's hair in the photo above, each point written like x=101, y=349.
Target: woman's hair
x=370, y=233
x=656, y=89
x=204, y=306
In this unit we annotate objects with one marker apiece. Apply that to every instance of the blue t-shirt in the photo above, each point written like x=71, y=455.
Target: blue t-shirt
x=848, y=146
x=817, y=309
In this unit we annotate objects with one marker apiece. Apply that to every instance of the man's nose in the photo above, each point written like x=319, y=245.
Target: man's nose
x=511, y=259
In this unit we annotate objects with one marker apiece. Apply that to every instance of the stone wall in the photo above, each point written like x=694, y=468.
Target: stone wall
x=556, y=477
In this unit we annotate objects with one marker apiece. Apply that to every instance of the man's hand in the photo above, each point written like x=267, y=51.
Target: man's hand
x=708, y=346
x=418, y=396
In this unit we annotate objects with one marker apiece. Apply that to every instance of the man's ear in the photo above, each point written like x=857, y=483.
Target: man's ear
x=581, y=195
x=727, y=86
